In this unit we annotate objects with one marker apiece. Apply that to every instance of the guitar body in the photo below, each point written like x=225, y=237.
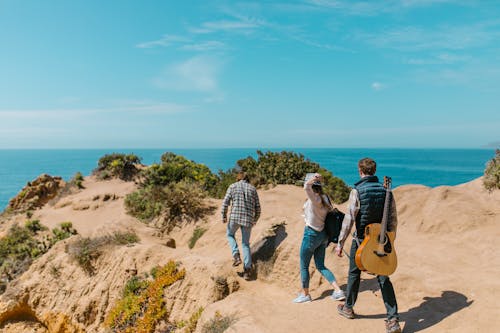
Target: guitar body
x=376, y=258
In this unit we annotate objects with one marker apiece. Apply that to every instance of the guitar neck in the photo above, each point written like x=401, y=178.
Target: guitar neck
x=385, y=215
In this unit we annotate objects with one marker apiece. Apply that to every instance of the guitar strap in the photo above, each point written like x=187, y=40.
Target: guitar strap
x=355, y=237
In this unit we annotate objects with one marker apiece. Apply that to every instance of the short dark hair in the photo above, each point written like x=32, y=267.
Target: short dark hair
x=367, y=166
x=242, y=175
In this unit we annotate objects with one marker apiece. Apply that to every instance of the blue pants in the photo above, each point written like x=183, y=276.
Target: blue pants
x=245, y=242
x=313, y=244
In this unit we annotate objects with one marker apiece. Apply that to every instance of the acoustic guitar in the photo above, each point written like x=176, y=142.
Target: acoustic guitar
x=376, y=254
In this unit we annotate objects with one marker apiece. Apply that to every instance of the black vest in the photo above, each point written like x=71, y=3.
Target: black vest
x=372, y=198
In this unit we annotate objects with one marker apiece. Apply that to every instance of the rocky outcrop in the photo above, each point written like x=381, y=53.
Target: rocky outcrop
x=36, y=193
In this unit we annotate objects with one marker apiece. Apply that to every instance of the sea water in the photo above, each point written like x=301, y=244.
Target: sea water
x=430, y=167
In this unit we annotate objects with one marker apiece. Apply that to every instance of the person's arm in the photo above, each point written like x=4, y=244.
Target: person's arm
x=347, y=223
x=257, y=207
x=315, y=199
x=225, y=204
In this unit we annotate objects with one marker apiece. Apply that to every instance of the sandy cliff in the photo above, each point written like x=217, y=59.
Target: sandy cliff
x=446, y=281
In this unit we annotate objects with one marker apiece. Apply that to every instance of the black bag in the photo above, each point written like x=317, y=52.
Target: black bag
x=333, y=225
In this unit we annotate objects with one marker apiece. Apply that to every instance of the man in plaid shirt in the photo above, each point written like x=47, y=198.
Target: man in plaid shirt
x=245, y=211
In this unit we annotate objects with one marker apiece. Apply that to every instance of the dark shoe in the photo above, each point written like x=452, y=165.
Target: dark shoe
x=236, y=260
x=345, y=311
x=392, y=326
x=247, y=274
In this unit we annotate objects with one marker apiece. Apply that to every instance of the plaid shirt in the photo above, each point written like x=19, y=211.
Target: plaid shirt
x=245, y=209
x=352, y=212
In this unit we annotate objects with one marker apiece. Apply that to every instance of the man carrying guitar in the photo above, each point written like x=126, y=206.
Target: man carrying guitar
x=366, y=206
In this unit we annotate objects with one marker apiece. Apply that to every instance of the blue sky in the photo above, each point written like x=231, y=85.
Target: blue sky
x=202, y=74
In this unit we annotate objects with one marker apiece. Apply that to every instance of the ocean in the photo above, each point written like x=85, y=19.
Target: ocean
x=430, y=167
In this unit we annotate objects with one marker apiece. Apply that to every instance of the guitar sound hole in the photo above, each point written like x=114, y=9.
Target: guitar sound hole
x=387, y=244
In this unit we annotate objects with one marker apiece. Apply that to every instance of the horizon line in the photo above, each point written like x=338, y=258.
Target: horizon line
x=256, y=148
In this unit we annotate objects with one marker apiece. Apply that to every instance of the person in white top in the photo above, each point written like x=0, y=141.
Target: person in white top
x=314, y=241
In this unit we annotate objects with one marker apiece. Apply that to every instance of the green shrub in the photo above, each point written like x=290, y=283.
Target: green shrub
x=197, y=233
x=134, y=286
x=18, y=248
x=34, y=226
x=22, y=245
x=121, y=166
x=77, y=180
x=65, y=230
x=218, y=323
x=146, y=203
x=175, y=168
x=175, y=203
x=86, y=250
x=290, y=168
x=491, y=179
x=125, y=238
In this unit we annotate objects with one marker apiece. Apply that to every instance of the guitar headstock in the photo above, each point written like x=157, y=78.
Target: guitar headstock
x=387, y=182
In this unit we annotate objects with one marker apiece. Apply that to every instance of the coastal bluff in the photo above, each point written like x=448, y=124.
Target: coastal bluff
x=446, y=281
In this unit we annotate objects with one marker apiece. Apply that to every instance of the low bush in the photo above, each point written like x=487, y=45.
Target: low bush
x=65, y=230
x=175, y=203
x=143, y=306
x=125, y=238
x=146, y=203
x=77, y=180
x=116, y=165
x=86, y=250
x=21, y=245
x=134, y=286
x=290, y=168
x=34, y=226
x=491, y=179
x=219, y=323
x=175, y=168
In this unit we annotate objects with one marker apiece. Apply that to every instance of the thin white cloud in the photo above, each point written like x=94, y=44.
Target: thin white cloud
x=414, y=39
x=238, y=26
x=373, y=8
x=440, y=59
x=377, y=86
x=204, y=46
x=198, y=73
x=166, y=40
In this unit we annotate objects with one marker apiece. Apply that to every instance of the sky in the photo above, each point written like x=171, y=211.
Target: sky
x=268, y=74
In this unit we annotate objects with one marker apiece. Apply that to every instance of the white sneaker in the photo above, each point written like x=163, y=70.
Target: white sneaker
x=338, y=295
x=302, y=298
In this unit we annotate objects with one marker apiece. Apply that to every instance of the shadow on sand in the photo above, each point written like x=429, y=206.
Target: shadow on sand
x=430, y=312
x=433, y=310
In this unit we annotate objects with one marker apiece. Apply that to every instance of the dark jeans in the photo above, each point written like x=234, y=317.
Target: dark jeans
x=383, y=281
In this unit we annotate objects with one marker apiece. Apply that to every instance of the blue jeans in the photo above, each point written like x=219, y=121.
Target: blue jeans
x=245, y=242
x=313, y=243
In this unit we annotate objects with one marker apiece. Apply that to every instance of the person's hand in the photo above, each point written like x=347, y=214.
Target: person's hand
x=338, y=251
x=317, y=177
